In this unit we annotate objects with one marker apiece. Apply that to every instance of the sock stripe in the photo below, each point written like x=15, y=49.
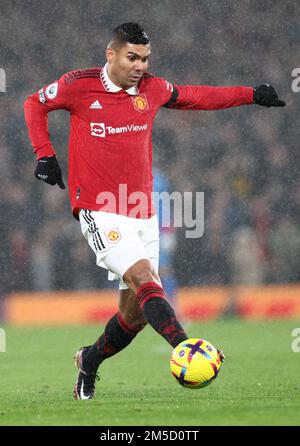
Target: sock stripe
x=156, y=290
x=146, y=299
x=149, y=291
x=148, y=285
x=150, y=294
x=159, y=292
x=130, y=329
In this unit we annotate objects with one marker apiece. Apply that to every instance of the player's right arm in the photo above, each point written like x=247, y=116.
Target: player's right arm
x=55, y=96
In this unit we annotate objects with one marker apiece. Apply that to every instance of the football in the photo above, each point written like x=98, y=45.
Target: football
x=195, y=363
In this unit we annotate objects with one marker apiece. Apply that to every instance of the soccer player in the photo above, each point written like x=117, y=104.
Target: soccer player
x=110, y=180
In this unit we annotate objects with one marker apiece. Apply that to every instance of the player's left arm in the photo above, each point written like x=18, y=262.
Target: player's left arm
x=203, y=97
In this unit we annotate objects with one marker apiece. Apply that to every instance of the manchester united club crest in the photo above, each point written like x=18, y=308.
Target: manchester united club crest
x=140, y=102
x=113, y=235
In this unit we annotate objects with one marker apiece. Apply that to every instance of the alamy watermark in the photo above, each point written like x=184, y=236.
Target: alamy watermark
x=2, y=80
x=296, y=82
x=296, y=342
x=176, y=209
x=2, y=341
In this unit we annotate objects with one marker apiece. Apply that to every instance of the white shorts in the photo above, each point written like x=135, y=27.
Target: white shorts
x=119, y=242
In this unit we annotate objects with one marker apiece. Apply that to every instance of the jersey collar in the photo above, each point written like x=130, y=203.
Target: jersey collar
x=113, y=88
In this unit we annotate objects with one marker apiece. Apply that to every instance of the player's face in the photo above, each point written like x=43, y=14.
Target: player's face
x=127, y=64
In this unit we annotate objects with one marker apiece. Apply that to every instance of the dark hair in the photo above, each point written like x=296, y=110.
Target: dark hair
x=129, y=32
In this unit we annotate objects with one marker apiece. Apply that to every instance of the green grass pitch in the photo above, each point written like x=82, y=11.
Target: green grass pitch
x=258, y=384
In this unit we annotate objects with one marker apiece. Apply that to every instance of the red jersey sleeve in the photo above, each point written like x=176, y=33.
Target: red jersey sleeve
x=203, y=97
x=165, y=90
x=57, y=95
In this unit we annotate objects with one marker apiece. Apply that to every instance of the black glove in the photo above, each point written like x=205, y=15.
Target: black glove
x=266, y=95
x=48, y=170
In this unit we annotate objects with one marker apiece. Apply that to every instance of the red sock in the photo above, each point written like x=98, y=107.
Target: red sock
x=159, y=313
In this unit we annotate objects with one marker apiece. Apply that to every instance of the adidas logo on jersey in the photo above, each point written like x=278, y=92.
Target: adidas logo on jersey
x=96, y=105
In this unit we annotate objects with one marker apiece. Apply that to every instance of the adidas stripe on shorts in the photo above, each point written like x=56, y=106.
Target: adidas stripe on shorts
x=119, y=241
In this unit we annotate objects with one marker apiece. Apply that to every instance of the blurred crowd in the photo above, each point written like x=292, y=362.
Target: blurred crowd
x=245, y=159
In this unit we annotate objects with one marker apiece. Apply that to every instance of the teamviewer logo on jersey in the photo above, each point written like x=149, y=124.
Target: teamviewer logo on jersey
x=98, y=129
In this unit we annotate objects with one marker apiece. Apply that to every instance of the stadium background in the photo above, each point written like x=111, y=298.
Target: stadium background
x=245, y=160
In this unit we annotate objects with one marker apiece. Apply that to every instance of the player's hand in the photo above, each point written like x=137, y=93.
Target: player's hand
x=48, y=170
x=266, y=95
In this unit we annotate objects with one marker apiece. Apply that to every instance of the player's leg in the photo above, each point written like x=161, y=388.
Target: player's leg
x=118, y=333
x=119, y=250
x=120, y=330
x=131, y=311
x=145, y=283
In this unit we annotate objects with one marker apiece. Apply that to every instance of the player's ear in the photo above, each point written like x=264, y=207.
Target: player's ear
x=109, y=54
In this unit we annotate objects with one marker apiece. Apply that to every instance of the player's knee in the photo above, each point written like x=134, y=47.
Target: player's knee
x=140, y=279
x=139, y=274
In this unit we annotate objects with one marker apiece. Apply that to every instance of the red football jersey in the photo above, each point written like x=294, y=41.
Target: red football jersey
x=110, y=145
